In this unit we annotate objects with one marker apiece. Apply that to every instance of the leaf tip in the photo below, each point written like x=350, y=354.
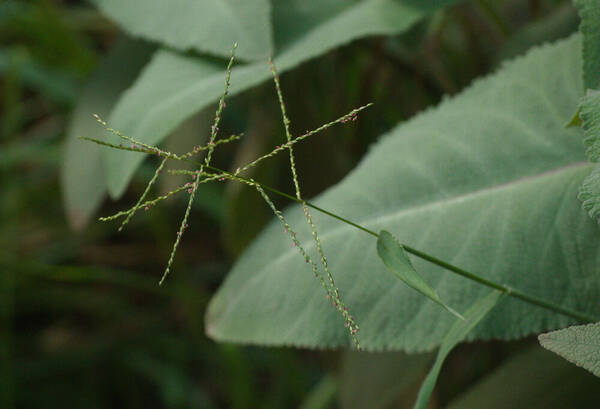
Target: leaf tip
x=575, y=120
x=454, y=312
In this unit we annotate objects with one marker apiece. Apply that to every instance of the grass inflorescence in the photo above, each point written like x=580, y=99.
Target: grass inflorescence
x=206, y=173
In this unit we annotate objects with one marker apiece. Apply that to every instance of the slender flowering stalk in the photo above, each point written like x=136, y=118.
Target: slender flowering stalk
x=222, y=174
x=143, y=196
x=213, y=135
x=352, y=326
x=159, y=152
x=333, y=293
x=302, y=137
x=185, y=157
x=148, y=204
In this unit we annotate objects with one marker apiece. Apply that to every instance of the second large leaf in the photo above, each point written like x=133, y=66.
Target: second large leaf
x=487, y=181
x=205, y=25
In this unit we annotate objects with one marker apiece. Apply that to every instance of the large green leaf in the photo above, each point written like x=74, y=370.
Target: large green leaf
x=210, y=26
x=82, y=173
x=174, y=86
x=589, y=11
x=579, y=344
x=487, y=181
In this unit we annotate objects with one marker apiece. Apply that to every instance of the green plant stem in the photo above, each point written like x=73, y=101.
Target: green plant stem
x=471, y=276
x=501, y=287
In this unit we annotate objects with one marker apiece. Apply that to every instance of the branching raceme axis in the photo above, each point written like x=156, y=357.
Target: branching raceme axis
x=206, y=173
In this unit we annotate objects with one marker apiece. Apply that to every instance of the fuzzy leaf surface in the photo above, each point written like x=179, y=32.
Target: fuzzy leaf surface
x=486, y=181
x=589, y=193
x=174, y=86
x=589, y=114
x=579, y=344
x=210, y=26
x=589, y=11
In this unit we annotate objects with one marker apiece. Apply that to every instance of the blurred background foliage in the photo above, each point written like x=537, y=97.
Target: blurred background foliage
x=83, y=321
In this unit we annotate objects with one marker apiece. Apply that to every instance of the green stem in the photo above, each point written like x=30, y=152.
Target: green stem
x=504, y=288
x=471, y=276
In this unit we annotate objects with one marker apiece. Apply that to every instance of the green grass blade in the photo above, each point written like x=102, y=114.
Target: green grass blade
x=396, y=260
x=457, y=333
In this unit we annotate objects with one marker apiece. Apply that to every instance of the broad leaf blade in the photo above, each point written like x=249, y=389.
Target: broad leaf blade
x=82, y=174
x=457, y=334
x=579, y=345
x=396, y=260
x=589, y=193
x=589, y=11
x=486, y=181
x=175, y=86
x=211, y=26
x=589, y=114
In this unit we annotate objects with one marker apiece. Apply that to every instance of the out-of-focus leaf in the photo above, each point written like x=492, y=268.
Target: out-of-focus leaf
x=176, y=389
x=211, y=26
x=559, y=23
x=41, y=30
x=57, y=85
x=321, y=396
x=245, y=210
x=396, y=260
x=589, y=11
x=82, y=173
x=175, y=86
x=579, y=344
x=473, y=182
x=375, y=380
x=7, y=323
x=457, y=334
x=533, y=379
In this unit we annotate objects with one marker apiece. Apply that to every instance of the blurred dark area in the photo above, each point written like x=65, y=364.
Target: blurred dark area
x=84, y=323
